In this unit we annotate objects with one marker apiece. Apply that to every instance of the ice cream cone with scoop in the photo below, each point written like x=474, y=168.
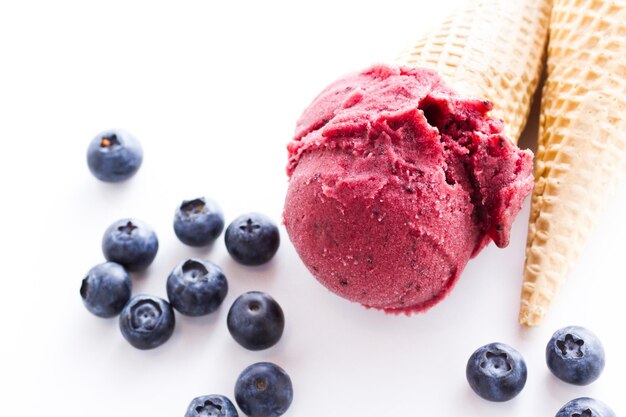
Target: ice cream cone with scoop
x=400, y=173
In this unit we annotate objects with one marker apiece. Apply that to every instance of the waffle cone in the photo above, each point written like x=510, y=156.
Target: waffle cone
x=582, y=142
x=490, y=49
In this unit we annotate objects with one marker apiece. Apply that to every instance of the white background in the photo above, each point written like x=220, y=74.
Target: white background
x=213, y=90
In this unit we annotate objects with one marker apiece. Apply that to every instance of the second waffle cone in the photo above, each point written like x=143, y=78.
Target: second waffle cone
x=582, y=142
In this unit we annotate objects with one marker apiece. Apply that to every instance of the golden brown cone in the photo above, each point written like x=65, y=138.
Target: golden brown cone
x=490, y=49
x=582, y=142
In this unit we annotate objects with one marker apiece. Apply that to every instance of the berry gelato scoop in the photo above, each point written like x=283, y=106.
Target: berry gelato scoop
x=396, y=181
x=399, y=174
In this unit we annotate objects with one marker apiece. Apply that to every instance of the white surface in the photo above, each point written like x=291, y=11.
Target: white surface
x=213, y=89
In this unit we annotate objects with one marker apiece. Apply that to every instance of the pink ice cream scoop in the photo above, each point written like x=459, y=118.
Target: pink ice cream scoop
x=395, y=182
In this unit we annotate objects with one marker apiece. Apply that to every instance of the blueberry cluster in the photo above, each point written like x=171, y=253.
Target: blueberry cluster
x=195, y=287
x=497, y=372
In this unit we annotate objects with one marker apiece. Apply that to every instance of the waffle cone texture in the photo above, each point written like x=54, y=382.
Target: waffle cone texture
x=490, y=49
x=582, y=142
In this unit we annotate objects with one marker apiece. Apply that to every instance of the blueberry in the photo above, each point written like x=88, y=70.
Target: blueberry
x=196, y=287
x=255, y=320
x=147, y=322
x=114, y=156
x=198, y=222
x=575, y=355
x=131, y=243
x=106, y=289
x=496, y=372
x=252, y=239
x=211, y=406
x=263, y=390
x=585, y=407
